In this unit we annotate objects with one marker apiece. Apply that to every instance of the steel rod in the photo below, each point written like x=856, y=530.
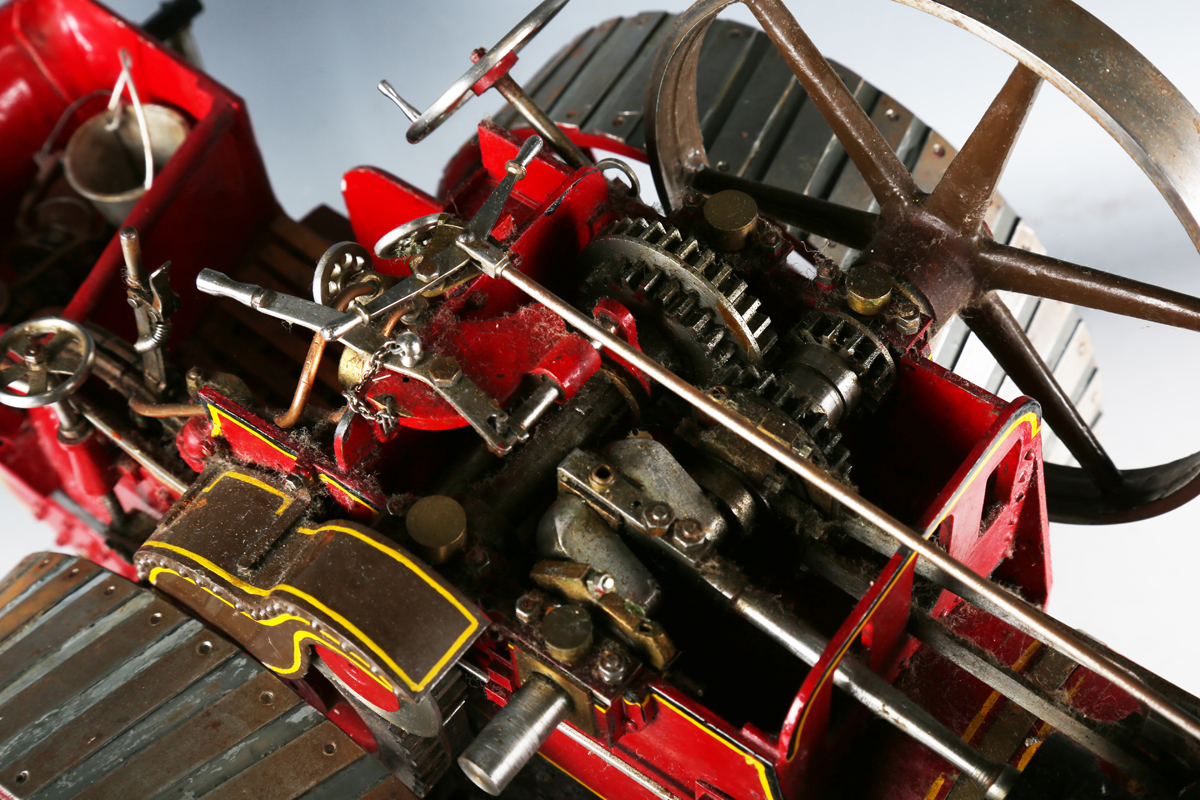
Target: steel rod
x=959, y=579
x=548, y=128
x=877, y=695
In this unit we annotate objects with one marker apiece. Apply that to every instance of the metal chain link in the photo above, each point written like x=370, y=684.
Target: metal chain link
x=385, y=416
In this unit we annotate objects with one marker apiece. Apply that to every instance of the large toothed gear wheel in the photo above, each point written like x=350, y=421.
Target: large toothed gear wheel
x=701, y=301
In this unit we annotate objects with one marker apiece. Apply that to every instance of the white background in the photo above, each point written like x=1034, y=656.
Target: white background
x=308, y=70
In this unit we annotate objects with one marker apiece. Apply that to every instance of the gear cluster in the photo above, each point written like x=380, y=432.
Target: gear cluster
x=705, y=307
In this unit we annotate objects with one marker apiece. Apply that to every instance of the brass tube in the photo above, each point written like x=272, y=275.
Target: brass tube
x=308, y=373
x=159, y=410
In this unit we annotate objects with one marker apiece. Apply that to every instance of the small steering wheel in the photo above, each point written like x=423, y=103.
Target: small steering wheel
x=337, y=268
x=48, y=358
x=460, y=91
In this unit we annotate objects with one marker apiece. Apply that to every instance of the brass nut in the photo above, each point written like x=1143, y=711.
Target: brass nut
x=444, y=371
x=868, y=289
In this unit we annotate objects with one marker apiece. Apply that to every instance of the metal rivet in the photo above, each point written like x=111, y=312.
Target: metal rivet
x=939, y=150
x=74, y=571
x=204, y=648
x=266, y=698
x=330, y=748
x=892, y=114
x=156, y=618
x=23, y=776
x=109, y=590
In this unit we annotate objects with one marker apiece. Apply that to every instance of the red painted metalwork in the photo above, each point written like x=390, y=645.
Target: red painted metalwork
x=979, y=488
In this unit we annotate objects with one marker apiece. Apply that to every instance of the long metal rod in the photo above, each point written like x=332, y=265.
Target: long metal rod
x=533, y=114
x=877, y=695
x=958, y=578
x=161, y=473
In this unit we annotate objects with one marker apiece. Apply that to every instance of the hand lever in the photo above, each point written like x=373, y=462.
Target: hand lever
x=449, y=261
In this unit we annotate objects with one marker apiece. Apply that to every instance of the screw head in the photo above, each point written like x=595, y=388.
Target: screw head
x=408, y=347
x=658, y=517
x=444, y=371
x=529, y=606
x=612, y=667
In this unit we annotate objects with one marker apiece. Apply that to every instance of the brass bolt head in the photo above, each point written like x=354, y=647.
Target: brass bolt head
x=438, y=524
x=731, y=216
x=868, y=289
x=568, y=632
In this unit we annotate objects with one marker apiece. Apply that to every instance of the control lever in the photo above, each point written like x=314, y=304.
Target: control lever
x=451, y=262
x=443, y=375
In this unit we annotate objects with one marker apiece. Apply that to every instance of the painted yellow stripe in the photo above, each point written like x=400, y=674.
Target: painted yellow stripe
x=218, y=413
x=1034, y=422
x=991, y=700
x=347, y=491
x=560, y=768
x=752, y=758
x=937, y=787
x=416, y=686
x=287, y=500
x=278, y=620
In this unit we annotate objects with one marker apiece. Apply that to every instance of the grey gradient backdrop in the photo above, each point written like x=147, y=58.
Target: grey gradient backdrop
x=308, y=71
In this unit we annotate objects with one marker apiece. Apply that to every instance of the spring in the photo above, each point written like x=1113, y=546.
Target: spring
x=147, y=344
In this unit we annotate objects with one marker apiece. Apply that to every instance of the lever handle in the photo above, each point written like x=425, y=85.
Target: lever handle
x=219, y=284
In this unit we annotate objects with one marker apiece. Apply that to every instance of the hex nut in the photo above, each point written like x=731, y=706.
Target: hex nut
x=612, y=667
x=444, y=371
x=529, y=606
x=689, y=533
x=658, y=517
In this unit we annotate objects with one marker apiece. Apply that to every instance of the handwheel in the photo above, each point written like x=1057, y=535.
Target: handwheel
x=336, y=269
x=50, y=358
x=938, y=242
x=460, y=91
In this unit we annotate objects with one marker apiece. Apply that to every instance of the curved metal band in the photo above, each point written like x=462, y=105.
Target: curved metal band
x=1100, y=71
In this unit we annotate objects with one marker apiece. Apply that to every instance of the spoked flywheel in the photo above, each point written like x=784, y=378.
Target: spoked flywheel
x=938, y=243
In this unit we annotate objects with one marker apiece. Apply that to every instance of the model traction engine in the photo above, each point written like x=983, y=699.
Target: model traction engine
x=675, y=498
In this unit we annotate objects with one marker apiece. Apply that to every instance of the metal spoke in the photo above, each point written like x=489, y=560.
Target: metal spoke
x=11, y=373
x=1016, y=270
x=963, y=194
x=885, y=174
x=995, y=326
x=841, y=224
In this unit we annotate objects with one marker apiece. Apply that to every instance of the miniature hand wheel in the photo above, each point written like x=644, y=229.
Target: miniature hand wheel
x=47, y=358
x=339, y=264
